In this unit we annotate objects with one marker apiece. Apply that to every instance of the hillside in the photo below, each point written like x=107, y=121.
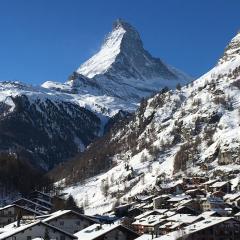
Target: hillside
x=189, y=131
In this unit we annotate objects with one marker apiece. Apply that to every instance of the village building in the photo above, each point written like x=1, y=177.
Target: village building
x=11, y=213
x=208, y=184
x=172, y=187
x=149, y=224
x=191, y=203
x=178, y=221
x=221, y=186
x=176, y=200
x=232, y=198
x=36, y=230
x=186, y=210
x=194, y=193
x=219, y=228
x=24, y=202
x=68, y=220
x=161, y=201
x=194, y=180
x=215, y=204
x=122, y=210
x=106, y=231
x=152, y=212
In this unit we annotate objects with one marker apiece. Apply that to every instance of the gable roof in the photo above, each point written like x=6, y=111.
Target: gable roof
x=206, y=223
x=17, y=230
x=29, y=201
x=219, y=184
x=151, y=212
x=22, y=207
x=60, y=213
x=96, y=230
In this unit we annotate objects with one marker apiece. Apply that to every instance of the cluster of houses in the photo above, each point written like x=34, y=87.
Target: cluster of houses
x=34, y=218
x=193, y=208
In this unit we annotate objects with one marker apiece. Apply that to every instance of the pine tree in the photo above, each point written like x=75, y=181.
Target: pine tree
x=70, y=203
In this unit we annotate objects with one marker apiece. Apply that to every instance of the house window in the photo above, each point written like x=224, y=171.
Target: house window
x=14, y=238
x=61, y=223
x=29, y=237
x=78, y=223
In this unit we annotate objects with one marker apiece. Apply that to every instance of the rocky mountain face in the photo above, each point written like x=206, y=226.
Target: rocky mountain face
x=123, y=64
x=46, y=127
x=193, y=130
x=123, y=71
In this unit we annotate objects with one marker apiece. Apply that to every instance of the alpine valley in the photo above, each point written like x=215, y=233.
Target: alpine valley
x=124, y=122
x=185, y=132
x=42, y=126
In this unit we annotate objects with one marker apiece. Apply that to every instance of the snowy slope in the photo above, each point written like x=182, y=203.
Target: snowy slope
x=192, y=131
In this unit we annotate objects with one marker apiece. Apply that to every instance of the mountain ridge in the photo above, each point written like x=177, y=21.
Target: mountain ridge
x=190, y=131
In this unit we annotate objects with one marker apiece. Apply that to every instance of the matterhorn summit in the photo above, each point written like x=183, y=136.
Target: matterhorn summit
x=124, y=69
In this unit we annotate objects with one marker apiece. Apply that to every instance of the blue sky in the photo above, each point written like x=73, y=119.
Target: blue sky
x=48, y=39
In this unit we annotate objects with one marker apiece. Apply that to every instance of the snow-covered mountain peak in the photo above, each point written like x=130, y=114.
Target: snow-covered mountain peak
x=123, y=68
x=232, y=50
x=101, y=61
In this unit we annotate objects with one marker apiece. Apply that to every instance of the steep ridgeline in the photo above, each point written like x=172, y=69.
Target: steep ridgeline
x=42, y=125
x=120, y=74
x=193, y=130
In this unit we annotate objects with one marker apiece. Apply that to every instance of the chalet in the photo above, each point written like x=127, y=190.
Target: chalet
x=145, y=198
x=106, y=231
x=178, y=221
x=68, y=220
x=161, y=201
x=233, y=199
x=37, y=230
x=176, y=199
x=149, y=224
x=172, y=187
x=133, y=212
x=195, y=192
x=11, y=213
x=194, y=180
x=152, y=212
x=218, y=194
x=186, y=210
x=24, y=202
x=122, y=210
x=184, y=218
x=191, y=203
x=37, y=195
x=221, y=186
x=222, y=228
x=208, y=184
x=214, y=204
